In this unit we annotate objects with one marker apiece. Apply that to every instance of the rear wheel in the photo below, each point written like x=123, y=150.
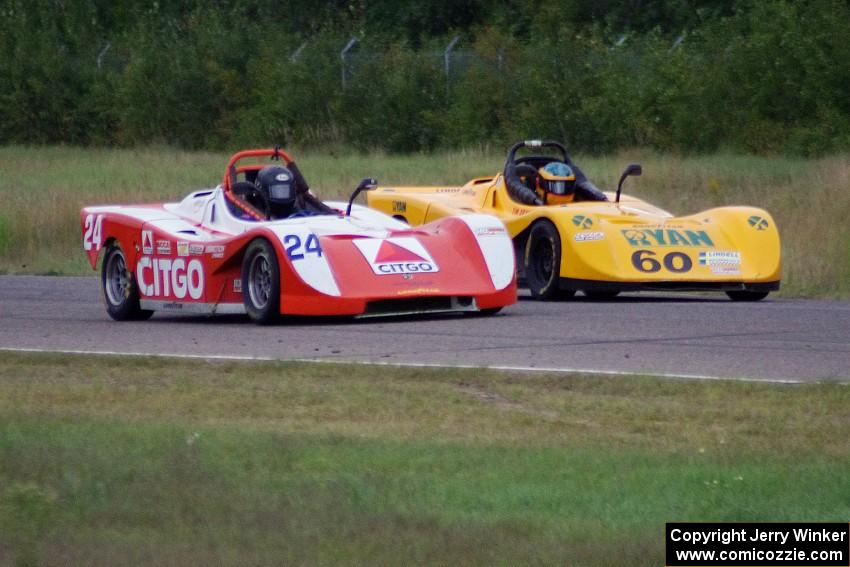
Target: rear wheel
x=120, y=292
x=542, y=262
x=747, y=295
x=261, y=282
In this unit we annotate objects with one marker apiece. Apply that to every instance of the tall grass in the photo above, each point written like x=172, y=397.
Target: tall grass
x=42, y=190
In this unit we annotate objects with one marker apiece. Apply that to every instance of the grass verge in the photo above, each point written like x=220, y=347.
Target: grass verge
x=43, y=190
x=104, y=460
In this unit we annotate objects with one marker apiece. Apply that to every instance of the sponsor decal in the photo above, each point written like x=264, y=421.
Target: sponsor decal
x=183, y=248
x=237, y=285
x=147, y=242
x=725, y=269
x=399, y=207
x=398, y=255
x=758, y=222
x=164, y=277
x=588, y=236
x=163, y=247
x=720, y=258
x=666, y=237
x=490, y=231
x=418, y=290
x=282, y=176
x=582, y=221
x=519, y=211
x=196, y=249
x=217, y=251
x=449, y=190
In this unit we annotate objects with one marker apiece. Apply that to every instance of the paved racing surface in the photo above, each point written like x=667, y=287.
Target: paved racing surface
x=684, y=335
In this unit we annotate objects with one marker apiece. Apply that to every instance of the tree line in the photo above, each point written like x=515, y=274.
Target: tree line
x=767, y=76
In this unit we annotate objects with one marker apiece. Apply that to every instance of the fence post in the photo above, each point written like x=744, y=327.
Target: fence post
x=342, y=55
x=676, y=44
x=447, y=58
x=101, y=54
x=297, y=53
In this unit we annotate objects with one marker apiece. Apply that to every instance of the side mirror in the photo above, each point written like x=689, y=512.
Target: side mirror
x=631, y=169
x=367, y=184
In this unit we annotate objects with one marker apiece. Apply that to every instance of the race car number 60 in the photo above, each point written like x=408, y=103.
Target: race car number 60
x=94, y=230
x=676, y=262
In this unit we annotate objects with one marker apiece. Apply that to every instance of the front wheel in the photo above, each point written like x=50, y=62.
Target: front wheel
x=746, y=295
x=261, y=282
x=542, y=262
x=120, y=292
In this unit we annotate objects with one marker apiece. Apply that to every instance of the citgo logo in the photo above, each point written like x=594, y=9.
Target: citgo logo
x=402, y=255
x=170, y=278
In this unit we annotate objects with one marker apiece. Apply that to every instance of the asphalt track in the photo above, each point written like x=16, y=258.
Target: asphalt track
x=700, y=336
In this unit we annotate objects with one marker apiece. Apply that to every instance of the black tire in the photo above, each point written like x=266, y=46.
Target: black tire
x=747, y=295
x=261, y=282
x=542, y=262
x=120, y=292
x=600, y=294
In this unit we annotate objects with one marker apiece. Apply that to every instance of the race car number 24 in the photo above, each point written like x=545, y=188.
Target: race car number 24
x=93, y=236
x=295, y=250
x=676, y=262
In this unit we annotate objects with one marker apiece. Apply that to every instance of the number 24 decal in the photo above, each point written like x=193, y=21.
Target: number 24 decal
x=93, y=237
x=294, y=249
x=676, y=262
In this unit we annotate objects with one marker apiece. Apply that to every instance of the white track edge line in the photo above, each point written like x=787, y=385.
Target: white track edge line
x=541, y=369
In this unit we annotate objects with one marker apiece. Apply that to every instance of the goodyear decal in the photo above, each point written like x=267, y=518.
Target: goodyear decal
x=666, y=237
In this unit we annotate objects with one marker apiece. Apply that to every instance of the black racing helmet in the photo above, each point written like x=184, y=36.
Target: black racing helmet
x=278, y=185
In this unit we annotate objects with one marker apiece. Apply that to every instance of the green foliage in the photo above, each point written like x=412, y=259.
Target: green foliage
x=764, y=77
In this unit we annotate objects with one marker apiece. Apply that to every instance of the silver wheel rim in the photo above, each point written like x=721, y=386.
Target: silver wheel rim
x=260, y=281
x=117, y=279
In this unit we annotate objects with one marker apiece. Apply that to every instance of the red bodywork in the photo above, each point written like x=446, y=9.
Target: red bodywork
x=188, y=256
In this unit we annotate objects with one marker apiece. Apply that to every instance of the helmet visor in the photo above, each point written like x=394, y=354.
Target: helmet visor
x=558, y=187
x=281, y=192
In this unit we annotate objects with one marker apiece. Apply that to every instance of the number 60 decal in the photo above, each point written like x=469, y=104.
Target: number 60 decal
x=93, y=237
x=676, y=262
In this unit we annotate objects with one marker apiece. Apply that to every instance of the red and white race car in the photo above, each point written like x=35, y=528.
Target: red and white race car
x=261, y=243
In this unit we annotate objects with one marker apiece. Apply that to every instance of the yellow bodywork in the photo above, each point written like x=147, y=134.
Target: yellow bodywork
x=630, y=242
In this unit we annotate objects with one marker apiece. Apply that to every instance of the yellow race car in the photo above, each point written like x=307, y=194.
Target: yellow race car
x=569, y=236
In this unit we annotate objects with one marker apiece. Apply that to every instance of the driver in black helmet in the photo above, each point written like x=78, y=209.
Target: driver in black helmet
x=276, y=184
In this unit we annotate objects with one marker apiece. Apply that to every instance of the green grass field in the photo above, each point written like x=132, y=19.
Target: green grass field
x=108, y=461
x=43, y=189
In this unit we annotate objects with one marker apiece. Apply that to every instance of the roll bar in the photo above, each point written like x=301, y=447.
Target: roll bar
x=275, y=154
